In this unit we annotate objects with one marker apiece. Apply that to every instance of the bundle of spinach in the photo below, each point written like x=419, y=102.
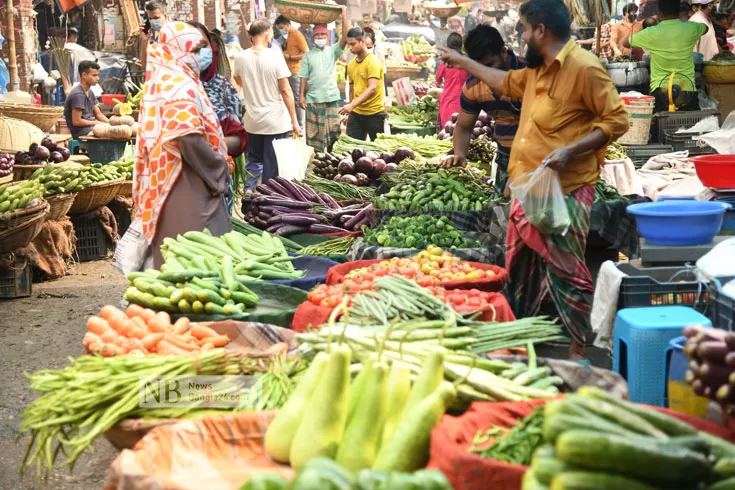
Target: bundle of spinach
x=604, y=192
x=514, y=445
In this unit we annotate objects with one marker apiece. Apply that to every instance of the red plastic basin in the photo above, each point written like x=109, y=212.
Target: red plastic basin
x=716, y=171
x=109, y=99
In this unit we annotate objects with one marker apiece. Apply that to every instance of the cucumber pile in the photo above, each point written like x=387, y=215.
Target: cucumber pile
x=124, y=168
x=596, y=440
x=66, y=179
x=205, y=274
x=431, y=189
x=190, y=292
x=18, y=195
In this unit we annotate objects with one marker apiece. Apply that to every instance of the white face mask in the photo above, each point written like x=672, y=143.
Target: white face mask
x=371, y=50
x=320, y=43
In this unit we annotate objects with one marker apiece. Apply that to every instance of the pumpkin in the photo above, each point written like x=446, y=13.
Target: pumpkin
x=122, y=120
x=101, y=130
x=116, y=109
x=120, y=132
x=135, y=127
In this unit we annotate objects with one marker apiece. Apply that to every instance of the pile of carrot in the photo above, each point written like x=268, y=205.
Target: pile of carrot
x=141, y=331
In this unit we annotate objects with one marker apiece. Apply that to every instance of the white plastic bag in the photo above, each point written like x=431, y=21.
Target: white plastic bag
x=293, y=156
x=542, y=200
x=133, y=253
x=722, y=140
x=404, y=93
x=717, y=262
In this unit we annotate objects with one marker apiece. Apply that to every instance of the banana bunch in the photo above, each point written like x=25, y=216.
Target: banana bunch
x=18, y=195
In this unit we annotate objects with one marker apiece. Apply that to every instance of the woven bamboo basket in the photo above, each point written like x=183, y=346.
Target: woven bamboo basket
x=719, y=72
x=394, y=73
x=127, y=433
x=24, y=172
x=19, y=228
x=42, y=116
x=126, y=189
x=309, y=12
x=7, y=178
x=17, y=135
x=60, y=205
x=95, y=196
x=444, y=12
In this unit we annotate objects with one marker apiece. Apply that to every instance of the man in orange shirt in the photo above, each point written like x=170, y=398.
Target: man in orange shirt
x=294, y=49
x=624, y=29
x=571, y=111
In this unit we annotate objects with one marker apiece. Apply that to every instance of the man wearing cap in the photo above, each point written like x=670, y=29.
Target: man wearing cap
x=318, y=93
x=707, y=44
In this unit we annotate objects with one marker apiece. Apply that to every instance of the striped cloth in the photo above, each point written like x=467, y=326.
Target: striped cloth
x=539, y=265
x=476, y=97
x=322, y=125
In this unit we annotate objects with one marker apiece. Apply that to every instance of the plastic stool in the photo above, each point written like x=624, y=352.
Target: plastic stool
x=75, y=146
x=641, y=344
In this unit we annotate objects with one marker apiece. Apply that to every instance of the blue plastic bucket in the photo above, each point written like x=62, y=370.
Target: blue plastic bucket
x=680, y=395
x=316, y=272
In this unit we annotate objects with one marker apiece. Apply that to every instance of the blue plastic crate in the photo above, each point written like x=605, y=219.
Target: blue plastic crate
x=105, y=151
x=660, y=286
x=728, y=224
x=16, y=282
x=723, y=306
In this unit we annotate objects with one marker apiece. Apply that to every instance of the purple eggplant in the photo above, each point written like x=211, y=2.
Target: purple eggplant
x=264, y=190
x=259, y=223
x=264, y=215
x=275, y=185
x=328, y=200
x=309, y=190
x=344, y=219
x=287, y=203
x=320, y=229
x=300, y=220
x=292, y=230
x=293, y=188
x=358, y=217
x=274, y=220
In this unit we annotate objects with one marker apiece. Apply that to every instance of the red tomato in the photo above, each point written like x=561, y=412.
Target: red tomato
x=475, y=301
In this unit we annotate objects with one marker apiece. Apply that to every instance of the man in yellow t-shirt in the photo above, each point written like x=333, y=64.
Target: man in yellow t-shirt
x=367, y=108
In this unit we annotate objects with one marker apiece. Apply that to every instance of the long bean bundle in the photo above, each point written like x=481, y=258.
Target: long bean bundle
x=83, y=400
x=336, y=246
x=497, y=336
x=341, y=191
x=426, y=146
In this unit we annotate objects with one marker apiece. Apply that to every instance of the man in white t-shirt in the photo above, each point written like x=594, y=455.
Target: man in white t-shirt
x=269, y=102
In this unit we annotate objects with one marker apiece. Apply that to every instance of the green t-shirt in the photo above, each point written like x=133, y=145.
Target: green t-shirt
x=318, y=69
x=670, y=43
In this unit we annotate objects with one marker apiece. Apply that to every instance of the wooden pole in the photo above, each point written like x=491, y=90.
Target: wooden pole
x=12, y=63
x=598, y=35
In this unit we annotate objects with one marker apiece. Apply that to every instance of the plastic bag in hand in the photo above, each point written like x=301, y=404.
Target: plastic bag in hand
x=542, y=200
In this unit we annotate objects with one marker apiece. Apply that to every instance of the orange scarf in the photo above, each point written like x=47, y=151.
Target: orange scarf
x=174, y=104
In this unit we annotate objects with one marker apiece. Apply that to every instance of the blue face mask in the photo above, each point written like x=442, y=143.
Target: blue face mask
x=205, y=58
x=156, y=24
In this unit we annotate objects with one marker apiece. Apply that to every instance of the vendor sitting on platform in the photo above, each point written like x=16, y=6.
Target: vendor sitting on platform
x=670, y=44
x=485, y=45
x=80, y=109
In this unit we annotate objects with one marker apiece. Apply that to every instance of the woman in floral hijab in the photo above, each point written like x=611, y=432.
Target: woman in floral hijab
x=181, y=162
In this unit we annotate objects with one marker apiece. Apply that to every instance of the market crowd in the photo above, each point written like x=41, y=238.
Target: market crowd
x=555, y=107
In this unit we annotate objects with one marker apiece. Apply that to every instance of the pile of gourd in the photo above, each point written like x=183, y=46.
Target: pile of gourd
x=120, y=127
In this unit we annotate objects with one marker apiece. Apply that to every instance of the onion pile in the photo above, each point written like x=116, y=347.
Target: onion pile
x=7, y=162
x=47, y=151
x=711, y=354
x=359, y=167
x=483, y=125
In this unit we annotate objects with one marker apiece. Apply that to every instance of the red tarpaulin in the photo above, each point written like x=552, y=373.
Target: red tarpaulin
x=67, y=5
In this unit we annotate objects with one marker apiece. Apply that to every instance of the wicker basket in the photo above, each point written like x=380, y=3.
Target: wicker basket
x=444, y=12
x=60, y=205
x=309, y=12
x=95, y=196
x=394, y=73
x=42, y=116
x=127, y=433
x=17, y=135
x=719, y=72
x=22, y=226
x=24, y=172
x=7, y=178
x=126, y=189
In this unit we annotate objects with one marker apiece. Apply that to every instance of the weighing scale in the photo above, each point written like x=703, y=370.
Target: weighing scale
x=662, y=255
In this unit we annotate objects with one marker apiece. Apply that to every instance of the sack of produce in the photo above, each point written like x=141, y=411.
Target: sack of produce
x=542, y=200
